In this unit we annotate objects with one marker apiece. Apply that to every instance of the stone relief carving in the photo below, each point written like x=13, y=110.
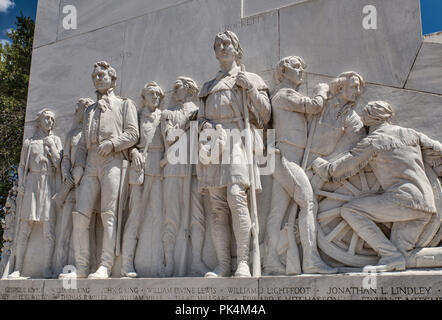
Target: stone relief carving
x=38, y=172
x=166, y=180
x=397, y=157
x=145, y=200
x=66, y=197
x=110, y=128
x=227, y=184
x=289, y=109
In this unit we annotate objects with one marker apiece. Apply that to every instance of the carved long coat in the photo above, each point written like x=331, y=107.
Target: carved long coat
x=396, y=156
x=221, y=103
x=41, y=180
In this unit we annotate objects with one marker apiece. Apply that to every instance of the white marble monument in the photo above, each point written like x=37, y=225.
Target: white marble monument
x=182, y=194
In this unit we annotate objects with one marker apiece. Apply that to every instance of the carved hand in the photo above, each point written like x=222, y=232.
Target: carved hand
x=105, y=148
x=320, y=167
x=137, y=160
x=77, y=174
x=321, y=89
x=243, y=81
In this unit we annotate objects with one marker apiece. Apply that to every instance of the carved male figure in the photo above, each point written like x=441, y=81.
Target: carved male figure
x=67, y=165
x=179, y=191
x=38, y=170
x=289, y=120
x=228, y=183
x=110, y=128
x=146, y=192
x=396, y=156
x=339, y=127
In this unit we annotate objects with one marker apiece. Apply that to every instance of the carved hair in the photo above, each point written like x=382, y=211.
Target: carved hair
x=190, y=85
x=43, y=113
x=286, y=62
x=235, y=41
x=111, y=71
x=153, y=85
x=338, y=84
x=376, y=112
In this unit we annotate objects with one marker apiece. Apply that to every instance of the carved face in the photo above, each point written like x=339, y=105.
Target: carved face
x=180, y=91
x=224, y=49
x=47, y=122
x=102, y=80
x=294, y=72
x=152, y=98
x=352, y=89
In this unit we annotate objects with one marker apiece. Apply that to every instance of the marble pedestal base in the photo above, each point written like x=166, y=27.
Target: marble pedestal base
x=412, y=285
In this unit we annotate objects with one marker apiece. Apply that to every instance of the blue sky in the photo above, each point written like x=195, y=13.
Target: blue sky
x=431, y=14
x=11, y=8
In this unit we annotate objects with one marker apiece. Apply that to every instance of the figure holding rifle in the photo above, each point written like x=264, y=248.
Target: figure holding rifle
x=228, y=181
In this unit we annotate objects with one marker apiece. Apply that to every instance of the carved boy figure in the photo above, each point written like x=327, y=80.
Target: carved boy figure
x=67, y=164
x=178, y=195
x=396, y=156
x=146, y=192
x=110, y=128
x=289, y=119
x=228, y=183
x=39, y=165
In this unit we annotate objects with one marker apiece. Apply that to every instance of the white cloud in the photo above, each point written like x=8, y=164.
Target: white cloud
x=4, y=41
x=5, y=5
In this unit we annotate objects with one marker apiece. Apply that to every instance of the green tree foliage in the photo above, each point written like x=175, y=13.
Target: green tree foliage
x=15, y=65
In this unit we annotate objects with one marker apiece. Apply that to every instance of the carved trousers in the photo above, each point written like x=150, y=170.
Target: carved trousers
x=408, y=224
x=101, y=182
x=291, y=182
x=225, y=201
x=22, y=242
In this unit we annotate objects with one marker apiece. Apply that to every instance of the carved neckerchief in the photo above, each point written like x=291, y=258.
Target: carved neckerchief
x=103, y=100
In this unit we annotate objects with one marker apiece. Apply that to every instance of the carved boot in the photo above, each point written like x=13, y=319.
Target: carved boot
x=391, y=258
x=221, y=241
x=102, y=273
x=242, y=228
x=311, y=262
x=388, y=263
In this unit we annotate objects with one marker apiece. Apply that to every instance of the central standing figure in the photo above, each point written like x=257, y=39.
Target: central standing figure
x=227, y=182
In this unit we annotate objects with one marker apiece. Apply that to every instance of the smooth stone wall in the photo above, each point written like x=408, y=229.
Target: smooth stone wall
x=97, y=14
x=46, y=22
x=426, y=74
x=329, y=34
x=253, y=7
